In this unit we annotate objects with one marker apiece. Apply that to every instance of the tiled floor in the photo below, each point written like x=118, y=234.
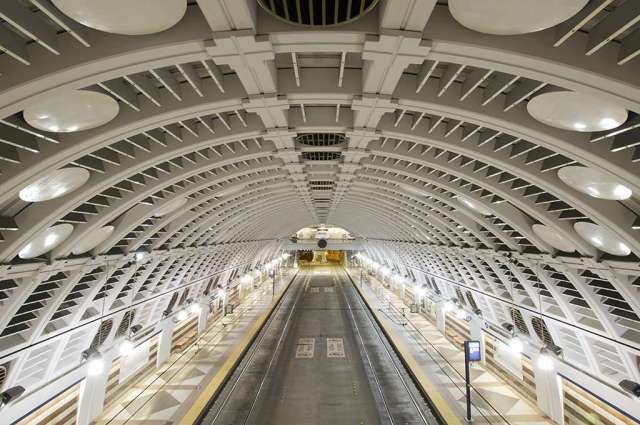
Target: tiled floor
x=164, y=395
x=507, y=406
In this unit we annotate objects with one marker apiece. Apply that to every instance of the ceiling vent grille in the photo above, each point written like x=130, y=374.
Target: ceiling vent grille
x=321, y=139
x=316, y=12
x=321, y=156
x=3, y=374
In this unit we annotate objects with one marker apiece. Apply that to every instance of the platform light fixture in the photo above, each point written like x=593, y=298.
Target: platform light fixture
x=95, y=362
x=195, y=308
x=126, y=347
x=182, y=315
x=516, y=345
x=545, y=360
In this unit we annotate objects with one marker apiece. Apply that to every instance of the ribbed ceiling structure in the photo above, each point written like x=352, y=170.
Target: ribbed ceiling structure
x=485, y=150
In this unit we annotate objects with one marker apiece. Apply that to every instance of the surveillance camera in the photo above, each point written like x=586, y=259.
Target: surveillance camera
x=631, y=387
x=11, y=394
x=554, y=349
x=507, y=326
x=136, y=328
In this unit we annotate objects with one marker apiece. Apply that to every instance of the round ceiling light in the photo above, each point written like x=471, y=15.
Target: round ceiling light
x=318, y=13
x=92, y=240
x=596, y=183
x=55, y=184
x=126, y=17
x=552, y=238
x=576, y=111
x=602, y=238
x=509, y=17
x=45, y=241
x=474, y=205
x=72, y=111
x=169, y=207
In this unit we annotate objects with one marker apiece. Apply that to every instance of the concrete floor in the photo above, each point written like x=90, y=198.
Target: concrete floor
x=318, y=361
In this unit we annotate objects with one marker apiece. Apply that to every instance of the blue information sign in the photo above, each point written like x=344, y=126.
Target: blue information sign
x=474, y=351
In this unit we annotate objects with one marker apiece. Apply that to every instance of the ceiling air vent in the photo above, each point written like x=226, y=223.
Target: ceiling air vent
x=321, y=139
x=320, y=156
x=318, y=12
x=3, y=374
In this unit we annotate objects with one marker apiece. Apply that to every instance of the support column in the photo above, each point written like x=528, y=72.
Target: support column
x=164, y=340
x=440, y=317
x=549, y=391
x=92, y=392
x=203, y=315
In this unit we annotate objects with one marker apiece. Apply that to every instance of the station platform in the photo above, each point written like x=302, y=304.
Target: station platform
x=172, y=393
x=441, y=363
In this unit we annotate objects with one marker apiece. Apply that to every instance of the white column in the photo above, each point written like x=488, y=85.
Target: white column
x=92, y=393
x=203, y=315
x=165, y=340
x=549, y=392
x=440, y=317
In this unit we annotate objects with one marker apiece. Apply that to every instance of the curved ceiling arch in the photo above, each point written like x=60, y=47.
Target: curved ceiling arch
x=400, y=117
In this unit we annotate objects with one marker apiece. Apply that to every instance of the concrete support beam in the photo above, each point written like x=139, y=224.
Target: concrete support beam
x=386, y=57
x=226, y=15
x=250, y=56
x=410, y=15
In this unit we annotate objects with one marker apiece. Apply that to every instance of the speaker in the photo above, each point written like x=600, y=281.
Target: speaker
x=322, y=243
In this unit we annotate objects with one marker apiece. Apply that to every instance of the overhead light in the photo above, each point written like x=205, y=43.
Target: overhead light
x=448, y=306
x=182, y=315
x=545, y=360
x=460, y=313
x=195, y=308
x=221, y=293
x=126, y=347
x=420, y=291
x=516, y=345
x=609, y=123
x=140, y=256
x=579, y=125
x=95, y=364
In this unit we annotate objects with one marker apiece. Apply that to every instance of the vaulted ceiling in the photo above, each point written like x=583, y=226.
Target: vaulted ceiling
x=493, y=148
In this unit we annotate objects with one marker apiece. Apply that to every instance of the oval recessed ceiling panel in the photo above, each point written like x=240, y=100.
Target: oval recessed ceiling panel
x=509, y=17
x=552, y=238
x=575, y=111
x=55, y=184
x=92, y=240
x=126, y=17
x=72, y=111
x=602, y=238
x=45, y=241
x=474, y=205
x=169, y=207
x=596, y=183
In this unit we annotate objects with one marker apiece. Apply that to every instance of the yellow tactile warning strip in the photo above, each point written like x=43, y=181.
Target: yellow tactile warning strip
x=230, y=363
x=443, y=409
